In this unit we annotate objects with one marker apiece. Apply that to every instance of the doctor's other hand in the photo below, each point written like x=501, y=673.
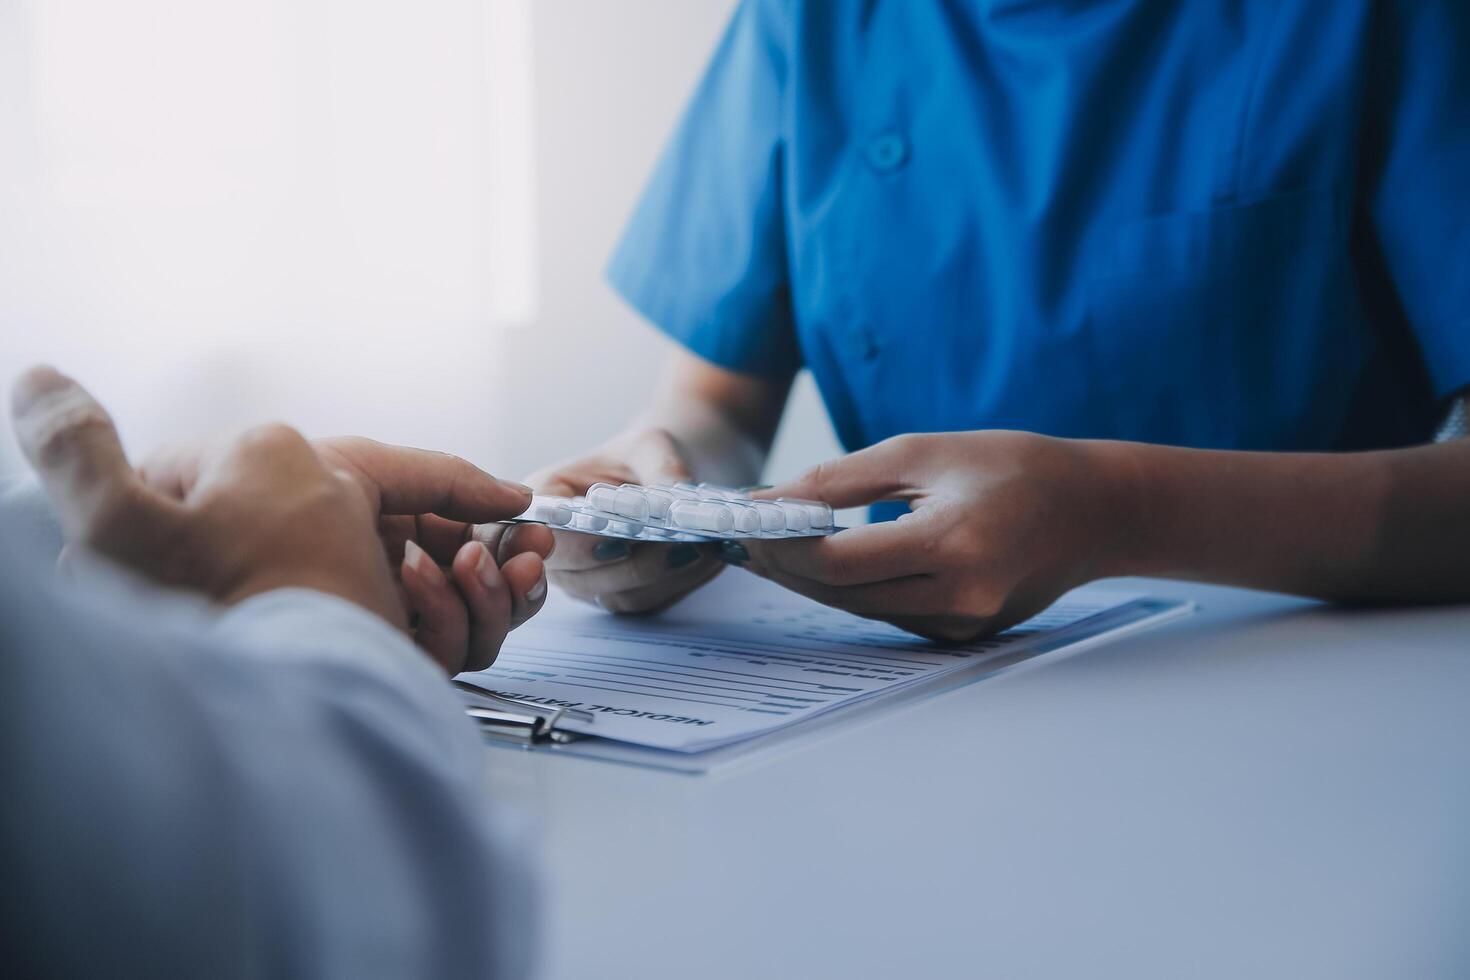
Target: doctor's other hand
x=625, y=576
x=1000, y=525
x=263, y=511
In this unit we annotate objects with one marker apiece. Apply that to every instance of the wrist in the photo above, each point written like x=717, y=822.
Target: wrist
x=376, y=597
x=1130, y=522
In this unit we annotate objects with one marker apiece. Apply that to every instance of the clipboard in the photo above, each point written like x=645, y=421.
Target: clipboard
x=519, y=723
x=515, y=720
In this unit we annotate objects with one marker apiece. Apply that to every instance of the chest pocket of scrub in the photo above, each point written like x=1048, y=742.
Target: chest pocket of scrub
x=1235, y=327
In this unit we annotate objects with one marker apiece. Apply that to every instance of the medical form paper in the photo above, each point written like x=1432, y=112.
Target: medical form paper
x=744, y=657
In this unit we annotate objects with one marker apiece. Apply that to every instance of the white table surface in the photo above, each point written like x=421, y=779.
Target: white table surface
x=1268, y=788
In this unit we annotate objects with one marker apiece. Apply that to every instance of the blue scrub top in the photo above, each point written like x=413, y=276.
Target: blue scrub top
x=1222, y=224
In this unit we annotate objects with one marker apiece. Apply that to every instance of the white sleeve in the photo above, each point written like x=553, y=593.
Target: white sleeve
x=287, y=789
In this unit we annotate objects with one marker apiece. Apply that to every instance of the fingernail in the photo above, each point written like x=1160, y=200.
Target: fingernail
x=537, y=591
x=734, y=551
x=518, y=487
x=486, y=570
x=680, y=555
x=610, y=550
x=421, y=563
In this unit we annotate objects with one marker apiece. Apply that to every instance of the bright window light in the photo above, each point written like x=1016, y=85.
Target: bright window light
x=217, y=211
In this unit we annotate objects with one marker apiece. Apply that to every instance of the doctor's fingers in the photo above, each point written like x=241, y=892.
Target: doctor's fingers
x=657, y=596
x=856, y=556
x=70, y=440
x=911, y=596
x=641, y=564
x=572, y=479
x=948, y=629
x=655, y=456
x=884, y=471
x=578, y=552
x=648, y=597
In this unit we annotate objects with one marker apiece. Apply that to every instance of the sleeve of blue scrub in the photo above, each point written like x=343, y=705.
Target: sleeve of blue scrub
x=1418, y=173
x=704, y=255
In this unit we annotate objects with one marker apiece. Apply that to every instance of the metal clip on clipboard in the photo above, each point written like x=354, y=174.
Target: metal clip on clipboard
x=519, y=721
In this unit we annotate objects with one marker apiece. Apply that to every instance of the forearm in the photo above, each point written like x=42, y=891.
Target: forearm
x=1384, y=526
x=723, y=422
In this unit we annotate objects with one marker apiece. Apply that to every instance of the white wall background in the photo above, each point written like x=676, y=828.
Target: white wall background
x=352, y=215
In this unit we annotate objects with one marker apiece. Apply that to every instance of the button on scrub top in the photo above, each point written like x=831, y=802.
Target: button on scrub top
x=1221, y=224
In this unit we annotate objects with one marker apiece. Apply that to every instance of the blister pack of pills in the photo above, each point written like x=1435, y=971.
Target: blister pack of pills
x=682, y=512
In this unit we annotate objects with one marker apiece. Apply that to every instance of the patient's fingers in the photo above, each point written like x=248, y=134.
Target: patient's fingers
x=505, y=541
x=442, y=627
x=520, y=550
x=174, y=470
x=488, y=599
x=440, y=537
x=641, y=564
x=420, y=481
x=525, y=574
x=70, y=440
x=395, y=531
x=519, y=538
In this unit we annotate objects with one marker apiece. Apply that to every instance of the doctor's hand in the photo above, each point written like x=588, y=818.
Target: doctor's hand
x=625, y=576
x=269, y=510
x=1001, y=524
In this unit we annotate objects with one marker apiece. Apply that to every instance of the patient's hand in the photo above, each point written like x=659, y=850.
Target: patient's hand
x=269, y=510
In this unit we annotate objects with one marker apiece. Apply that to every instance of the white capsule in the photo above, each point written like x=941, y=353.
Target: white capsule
x=702, y=515
x=625, y=501
x=630, y=528
x=772, y=515
x=747, y=518
x=659, y=502
x=819, y=515
x=588, y=522
x=550, y=510
x=797, y=516
x=583, y=521
x=602, y=496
